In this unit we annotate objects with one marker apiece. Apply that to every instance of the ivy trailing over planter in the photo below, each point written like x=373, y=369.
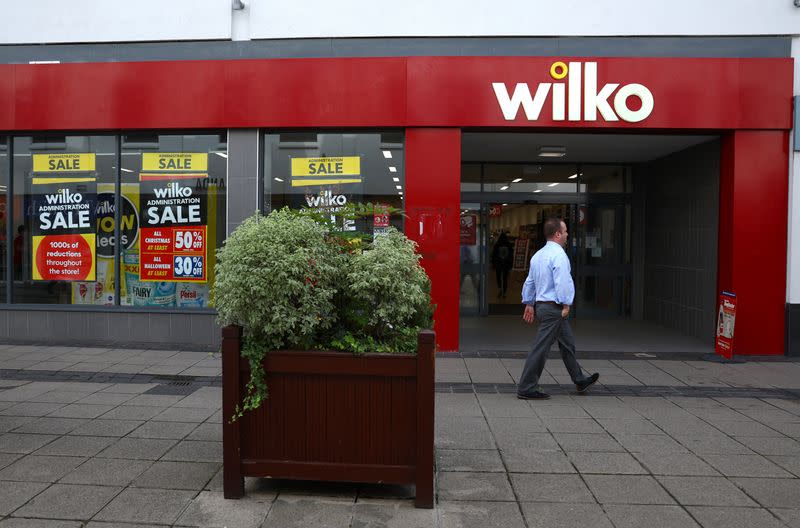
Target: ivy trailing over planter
x=292, y=280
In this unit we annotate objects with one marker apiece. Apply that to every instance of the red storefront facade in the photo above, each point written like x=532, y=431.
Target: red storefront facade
x=748, y=102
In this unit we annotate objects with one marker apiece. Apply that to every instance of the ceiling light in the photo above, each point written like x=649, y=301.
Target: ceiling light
x=552, y=152
x=396, y=179
x=504, y=187
x=222, y=154
x=278, y=179
x=392, y=169
x=537, y=190
x=552, y=184
x=516, y=180
x=573, y=176
x=398, y=187
x=505, y=205
x=387, y=154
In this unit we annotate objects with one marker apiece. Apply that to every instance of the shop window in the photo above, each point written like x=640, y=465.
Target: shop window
x=57, y=182
x=172, y=198
x=327, y=171
x=172, y=218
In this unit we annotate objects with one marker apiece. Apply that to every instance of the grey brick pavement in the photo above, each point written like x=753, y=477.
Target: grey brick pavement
x=664, y=442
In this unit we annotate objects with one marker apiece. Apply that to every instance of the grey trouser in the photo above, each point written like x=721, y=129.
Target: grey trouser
x=551, y=327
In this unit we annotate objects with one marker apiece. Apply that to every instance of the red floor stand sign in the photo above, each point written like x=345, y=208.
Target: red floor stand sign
x=726, y=319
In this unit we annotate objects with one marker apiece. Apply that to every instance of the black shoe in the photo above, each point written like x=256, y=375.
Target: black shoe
x=588, y=382
x=535, y=395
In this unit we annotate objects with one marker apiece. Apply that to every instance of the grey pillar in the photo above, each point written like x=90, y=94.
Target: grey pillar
x=243, y=175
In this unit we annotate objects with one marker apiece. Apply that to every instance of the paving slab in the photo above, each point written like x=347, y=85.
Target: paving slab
x=23, y=443
x=705, y=491
x=528, y=461
x=206, y=432
x=452, y=432
x=550, y=488
x=717, y=517
x=34, y=468
x=746, y=466
x=68, y=501
x=176, y=475
x=479, y=514
x=370, y=513
x=627, y=489
x=15, y=494
x=606, y=463
x=771, y=493
x=685, y=464
x=106, y=472
x=195, y=451
x=305, y=512
x=474, y=486
x=211, y=509
x=469, y=460
x=51, y=425
x=560, y=515
x=457, y=405
x=163, y=430
x=588, y=442
x=138, y=448
x=81, y=446
x=146, y=506
x=790, y=516
x=104, y=427
x=639, y=516
x=15, y=522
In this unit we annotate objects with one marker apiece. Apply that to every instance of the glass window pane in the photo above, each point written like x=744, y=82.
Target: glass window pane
x=530, y=179
x=470, y=177
x=172, y=218
x=56, y=184
x=326, y=171
x=603, y=179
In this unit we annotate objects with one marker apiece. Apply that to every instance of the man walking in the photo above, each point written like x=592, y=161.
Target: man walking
x=547, y=294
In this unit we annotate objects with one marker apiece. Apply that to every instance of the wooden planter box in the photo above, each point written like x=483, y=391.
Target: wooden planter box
x=332, y=416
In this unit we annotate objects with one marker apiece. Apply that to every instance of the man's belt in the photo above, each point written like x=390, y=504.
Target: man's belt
x=557, y=305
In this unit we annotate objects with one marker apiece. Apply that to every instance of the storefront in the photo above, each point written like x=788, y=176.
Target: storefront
x=168, y=157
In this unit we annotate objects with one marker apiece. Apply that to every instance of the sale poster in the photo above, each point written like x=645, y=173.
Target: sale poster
x=726, y=320
x=63, y=210
x=469, y=224
x=174, y=218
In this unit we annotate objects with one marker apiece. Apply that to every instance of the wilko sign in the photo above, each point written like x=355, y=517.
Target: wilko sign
x=577, y=99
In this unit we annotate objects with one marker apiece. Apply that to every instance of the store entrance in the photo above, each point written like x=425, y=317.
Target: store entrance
x=499, y=237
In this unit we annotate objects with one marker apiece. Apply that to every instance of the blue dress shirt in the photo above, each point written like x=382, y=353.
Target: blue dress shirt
x=549, y=278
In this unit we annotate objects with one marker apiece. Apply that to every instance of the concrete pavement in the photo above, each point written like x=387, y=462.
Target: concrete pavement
x=107, y=437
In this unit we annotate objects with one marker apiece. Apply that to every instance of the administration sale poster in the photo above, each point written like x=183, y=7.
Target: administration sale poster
x=63, y=209
x=174, y=223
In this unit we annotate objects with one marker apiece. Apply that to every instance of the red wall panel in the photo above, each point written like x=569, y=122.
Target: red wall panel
x=753, y=236
x=433, y=200
x=7, y=96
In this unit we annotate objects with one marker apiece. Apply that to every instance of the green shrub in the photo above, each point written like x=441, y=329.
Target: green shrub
x=276, y=277
x=292, y=280
x=386, y=297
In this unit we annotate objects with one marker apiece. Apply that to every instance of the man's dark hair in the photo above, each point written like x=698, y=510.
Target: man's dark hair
x=552, y=226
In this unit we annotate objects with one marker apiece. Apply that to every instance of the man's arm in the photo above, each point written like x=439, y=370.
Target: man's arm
x=562, y=280
x=529, y=296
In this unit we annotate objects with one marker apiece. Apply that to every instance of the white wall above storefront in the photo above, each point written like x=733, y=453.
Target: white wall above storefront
x=76, y=21
x=446, y=18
